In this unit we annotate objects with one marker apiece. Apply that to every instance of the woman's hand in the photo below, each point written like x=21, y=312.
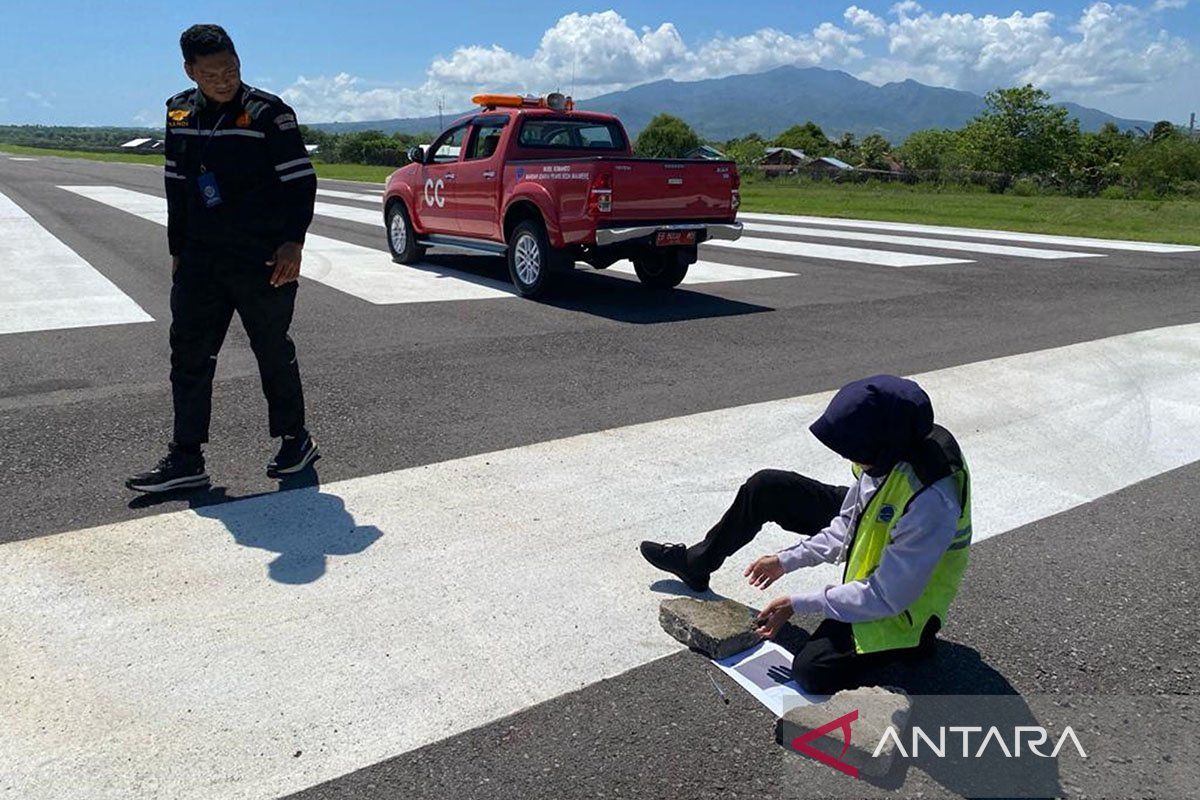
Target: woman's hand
x=772, y=618
x=765, y=571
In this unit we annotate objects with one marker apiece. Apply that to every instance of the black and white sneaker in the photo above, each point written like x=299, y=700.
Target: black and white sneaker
x=179, y=469
x=295, y=453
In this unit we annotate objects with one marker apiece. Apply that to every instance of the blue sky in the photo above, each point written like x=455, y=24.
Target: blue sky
x=84, y=63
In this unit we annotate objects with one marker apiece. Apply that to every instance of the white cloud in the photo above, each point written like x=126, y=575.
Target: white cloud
x=41, y=100
x=589, y=54
x=1110, y=48
x=865, y=20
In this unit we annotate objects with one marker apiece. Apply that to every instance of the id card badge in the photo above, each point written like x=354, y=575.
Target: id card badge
x=209, y=191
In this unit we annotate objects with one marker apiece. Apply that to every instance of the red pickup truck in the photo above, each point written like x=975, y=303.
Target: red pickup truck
x=547, y=186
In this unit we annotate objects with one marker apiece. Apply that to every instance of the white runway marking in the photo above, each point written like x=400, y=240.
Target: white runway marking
x=362, y=197
x=915, y=241
x=191, y=654
x=364, y=215
x=712, y=272
x=45, y=285
x=833, y=252
x=20, y=158
x=977, y=233
x=363, y=272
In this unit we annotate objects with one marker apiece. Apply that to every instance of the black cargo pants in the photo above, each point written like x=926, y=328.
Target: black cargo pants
x=205, y=292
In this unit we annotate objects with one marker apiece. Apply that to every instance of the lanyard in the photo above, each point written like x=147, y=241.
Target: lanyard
x=208, y=139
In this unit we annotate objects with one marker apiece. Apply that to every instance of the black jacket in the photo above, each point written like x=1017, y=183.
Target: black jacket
x=266, y=181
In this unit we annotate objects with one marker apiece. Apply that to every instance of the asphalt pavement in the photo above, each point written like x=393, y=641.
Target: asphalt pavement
x=415, y=394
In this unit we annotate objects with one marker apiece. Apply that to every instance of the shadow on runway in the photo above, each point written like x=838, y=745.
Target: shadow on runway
x=299, y=522
x=955, y=687
x=600, y=294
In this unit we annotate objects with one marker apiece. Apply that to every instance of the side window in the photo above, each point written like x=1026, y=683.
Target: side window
x=447, y=148
x=485, y=141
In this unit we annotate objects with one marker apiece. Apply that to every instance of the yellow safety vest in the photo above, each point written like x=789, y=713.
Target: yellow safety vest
x=872, y=535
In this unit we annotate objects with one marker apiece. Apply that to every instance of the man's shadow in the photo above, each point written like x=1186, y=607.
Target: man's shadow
x=299, y=522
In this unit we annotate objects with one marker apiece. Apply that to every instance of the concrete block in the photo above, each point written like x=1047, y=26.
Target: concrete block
x=878, y=708
x=717, y=628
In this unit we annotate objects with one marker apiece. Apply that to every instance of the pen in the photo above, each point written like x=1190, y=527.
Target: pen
x=718, y=688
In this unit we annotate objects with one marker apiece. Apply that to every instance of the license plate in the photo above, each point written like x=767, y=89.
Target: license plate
x=673, y=238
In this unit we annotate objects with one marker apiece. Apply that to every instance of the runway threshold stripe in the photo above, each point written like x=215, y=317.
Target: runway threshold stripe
x=917, y=241
x=976, y=233
x=362, y=197
x=45, y=285
x=833, y=252
x=363, y=272
x=699, y=273
x=193, y=654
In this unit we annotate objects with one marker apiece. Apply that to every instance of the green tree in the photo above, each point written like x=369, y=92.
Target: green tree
x=873, y=152
x=807, y=137
x=666, y=137
x=1163, y=129
x=930, y=150
x=1163, y=167
x=1020, y=133
x=746, y=151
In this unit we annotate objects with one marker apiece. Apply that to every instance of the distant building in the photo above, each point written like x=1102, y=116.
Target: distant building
x=827, y=165
x=707, y=152
x=782, y=160
x=312, y=148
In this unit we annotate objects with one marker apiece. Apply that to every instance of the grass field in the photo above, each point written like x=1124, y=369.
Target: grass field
x=1152, y=220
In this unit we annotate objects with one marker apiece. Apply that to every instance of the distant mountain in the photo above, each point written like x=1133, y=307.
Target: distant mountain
x=769, y=102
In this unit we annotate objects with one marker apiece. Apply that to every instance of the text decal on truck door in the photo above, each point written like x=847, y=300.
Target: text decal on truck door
x=433, y=193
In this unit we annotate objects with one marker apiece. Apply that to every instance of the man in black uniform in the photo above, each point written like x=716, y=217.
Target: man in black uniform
x=240, y=193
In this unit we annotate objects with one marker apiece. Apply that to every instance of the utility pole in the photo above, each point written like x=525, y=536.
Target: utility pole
x=441, y=106
x=1192, y=126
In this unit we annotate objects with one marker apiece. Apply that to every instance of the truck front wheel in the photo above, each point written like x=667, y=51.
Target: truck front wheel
x=402, y=239
x=531, y=259
x=663, y=270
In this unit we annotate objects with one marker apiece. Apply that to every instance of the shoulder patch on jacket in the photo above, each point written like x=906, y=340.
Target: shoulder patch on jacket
x=286, y=121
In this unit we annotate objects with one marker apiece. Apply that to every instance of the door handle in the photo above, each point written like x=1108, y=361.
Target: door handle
x=449, y=176
x=491, y=173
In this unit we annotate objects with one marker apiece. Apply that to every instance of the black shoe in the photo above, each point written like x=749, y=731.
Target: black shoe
x=295, y=453
x=672, y=558
x=179, y=469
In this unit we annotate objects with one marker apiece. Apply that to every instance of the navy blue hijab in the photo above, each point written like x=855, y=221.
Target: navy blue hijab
x=877, y=421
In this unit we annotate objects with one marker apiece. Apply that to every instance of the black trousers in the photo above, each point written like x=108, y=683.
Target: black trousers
x=827, y=662
x=205, y=292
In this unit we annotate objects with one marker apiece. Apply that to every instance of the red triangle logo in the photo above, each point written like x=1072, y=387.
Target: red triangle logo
x=801, y=743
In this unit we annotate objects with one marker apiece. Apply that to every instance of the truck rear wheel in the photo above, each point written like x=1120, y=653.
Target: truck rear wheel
x=402, y=239
x=660, y=270
x=531, y=259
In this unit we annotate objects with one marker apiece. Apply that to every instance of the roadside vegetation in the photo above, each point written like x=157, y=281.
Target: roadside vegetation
x=1023, y=164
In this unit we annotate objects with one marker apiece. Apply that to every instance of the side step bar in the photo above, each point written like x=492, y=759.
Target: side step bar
x=460, y=243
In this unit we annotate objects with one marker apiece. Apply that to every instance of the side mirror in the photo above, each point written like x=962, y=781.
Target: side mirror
x=416, y=155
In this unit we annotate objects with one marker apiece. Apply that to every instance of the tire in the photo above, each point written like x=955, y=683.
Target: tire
x=402, y=239
x=660, y=270
x=531, y=259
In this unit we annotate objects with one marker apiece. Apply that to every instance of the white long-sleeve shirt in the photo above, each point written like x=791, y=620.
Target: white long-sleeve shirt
x=919, y=540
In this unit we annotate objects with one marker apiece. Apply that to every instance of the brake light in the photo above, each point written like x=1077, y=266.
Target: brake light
x=600, y=194
x=735, y=199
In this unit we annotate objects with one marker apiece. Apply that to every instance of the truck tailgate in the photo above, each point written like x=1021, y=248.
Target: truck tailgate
x=660, y=190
